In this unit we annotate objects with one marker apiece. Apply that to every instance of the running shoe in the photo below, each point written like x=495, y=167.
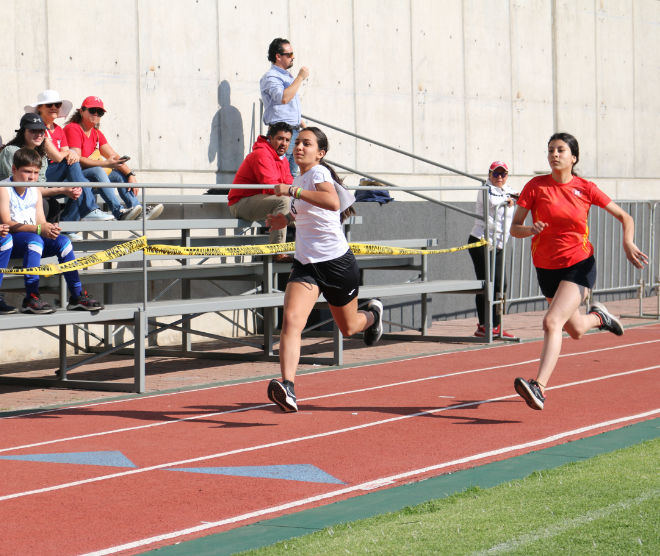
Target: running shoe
x=375, y=331
x=84, y=302
x=505, y=334
x=6, y=309
x=130, y=213
x=480, y=332
x=97, y=215
x=35, y=305
x=282, y=394
x=607, y=320
x=530, y=391
x=153, y=211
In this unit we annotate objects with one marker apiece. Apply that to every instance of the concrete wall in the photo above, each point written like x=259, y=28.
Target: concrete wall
x=459, y=82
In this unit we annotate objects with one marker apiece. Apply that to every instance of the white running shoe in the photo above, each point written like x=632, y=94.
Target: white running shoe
x=153, y=211
x=98, y=215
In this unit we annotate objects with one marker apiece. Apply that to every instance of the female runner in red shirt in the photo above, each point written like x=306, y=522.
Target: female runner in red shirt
x=563, y=256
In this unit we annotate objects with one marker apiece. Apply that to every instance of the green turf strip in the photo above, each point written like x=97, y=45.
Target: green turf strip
x=607, y=504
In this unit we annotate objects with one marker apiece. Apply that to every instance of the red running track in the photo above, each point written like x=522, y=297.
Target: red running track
x=369, y=427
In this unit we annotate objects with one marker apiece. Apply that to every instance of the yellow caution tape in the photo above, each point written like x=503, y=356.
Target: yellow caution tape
x=115, y=252
x=140, y=243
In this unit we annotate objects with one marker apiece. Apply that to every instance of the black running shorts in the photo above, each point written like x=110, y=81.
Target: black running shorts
x=338, y=279
x=582, y=274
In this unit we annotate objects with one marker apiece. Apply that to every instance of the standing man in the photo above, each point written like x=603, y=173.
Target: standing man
x=279, y=92
x=266, y=164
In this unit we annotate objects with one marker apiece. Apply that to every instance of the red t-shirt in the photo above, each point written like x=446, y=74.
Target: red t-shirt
x=58, y=137
x=78, y=140
x=565, y=208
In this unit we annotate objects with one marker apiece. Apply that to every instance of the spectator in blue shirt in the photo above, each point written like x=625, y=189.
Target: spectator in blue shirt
x=279, y=92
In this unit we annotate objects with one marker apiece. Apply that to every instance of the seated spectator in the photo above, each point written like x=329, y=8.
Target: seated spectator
x=63, y=164
x=31, y=134
x=5, y=253
x=101, y=163
x=33, y=237
x=266, y=164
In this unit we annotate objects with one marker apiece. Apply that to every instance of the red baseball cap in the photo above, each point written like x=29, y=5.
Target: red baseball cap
x=498, y=164
x=93, y=102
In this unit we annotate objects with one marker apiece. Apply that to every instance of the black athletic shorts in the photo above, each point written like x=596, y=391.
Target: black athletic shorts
x=582, y=274
x=338, y=279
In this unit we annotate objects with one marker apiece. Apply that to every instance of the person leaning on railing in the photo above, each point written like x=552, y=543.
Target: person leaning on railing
x=500, y=199
x=564, y=257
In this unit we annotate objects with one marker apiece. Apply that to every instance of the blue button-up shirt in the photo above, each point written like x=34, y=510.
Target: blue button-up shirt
x=272, y=86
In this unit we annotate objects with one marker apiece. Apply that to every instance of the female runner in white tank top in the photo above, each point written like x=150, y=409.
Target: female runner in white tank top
x=323, y=261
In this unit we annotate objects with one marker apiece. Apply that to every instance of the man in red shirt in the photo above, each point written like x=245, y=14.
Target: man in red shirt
x=268, y=165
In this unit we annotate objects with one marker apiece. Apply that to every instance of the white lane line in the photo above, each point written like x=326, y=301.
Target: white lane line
x=564, y=525
x=321, y=371
x=363, y=486
x=331, y=395
x=294, y=440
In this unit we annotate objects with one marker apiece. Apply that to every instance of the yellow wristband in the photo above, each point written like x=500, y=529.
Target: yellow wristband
x=38, y=229
x=299, y=193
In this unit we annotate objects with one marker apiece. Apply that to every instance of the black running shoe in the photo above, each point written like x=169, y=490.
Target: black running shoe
x=35, y=305
x=84, y=302
x=283, y=395
x=375, y=331
x=607, y=320
x=6, y=309
x=530, y=391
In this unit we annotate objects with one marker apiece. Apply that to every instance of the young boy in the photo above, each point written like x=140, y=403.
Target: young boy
x=22, y=210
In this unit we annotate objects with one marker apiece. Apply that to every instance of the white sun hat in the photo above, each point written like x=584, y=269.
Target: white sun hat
x=50, y=96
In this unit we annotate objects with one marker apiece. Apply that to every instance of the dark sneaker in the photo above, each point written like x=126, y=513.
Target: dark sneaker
x=530, y=391
x=153, y=211
x=6, y=309
x=375, y=331
x=35, y=305
x=84, y=302
x=480, y=332
x=283, y=395
x=607, y=320
x=130, y=213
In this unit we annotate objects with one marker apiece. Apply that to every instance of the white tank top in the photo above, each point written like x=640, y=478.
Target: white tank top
x=23, y=208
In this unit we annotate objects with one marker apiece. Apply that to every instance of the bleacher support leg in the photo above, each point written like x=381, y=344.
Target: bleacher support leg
x=62, y=370
x=338, y=343
x=140, y=329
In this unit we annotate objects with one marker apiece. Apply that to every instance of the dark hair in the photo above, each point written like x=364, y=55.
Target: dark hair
x=275, y=48
x=275, y=128
x=322, y=142
x=76, y=118
x=19, y=141
x=26, y=157
x=572, y=144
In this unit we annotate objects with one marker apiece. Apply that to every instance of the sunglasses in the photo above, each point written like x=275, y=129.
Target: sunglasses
x=53, y=104
x=95, y=111
x=287, y=54
x=37, y=131
x=500, y=174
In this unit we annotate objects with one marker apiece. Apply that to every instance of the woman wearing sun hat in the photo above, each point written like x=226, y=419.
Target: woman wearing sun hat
x=500, y=198
x=63, y=162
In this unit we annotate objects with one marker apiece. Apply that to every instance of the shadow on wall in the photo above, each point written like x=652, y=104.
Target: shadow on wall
x=226, y=144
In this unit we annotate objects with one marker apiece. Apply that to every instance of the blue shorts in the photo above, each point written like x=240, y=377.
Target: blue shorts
x=582, y=274
x=338, y=279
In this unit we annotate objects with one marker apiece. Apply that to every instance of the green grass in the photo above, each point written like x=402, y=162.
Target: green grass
x=609, y=504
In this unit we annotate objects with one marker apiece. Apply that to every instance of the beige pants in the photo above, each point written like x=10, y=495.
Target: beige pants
x=257, y=207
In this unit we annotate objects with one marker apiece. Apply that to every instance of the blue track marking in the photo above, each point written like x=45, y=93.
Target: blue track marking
x=105, y=458
x=302, y=472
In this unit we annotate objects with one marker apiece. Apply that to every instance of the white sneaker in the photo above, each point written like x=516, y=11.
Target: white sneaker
x=98, y=215
x=130, y=213
x=153, y=211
